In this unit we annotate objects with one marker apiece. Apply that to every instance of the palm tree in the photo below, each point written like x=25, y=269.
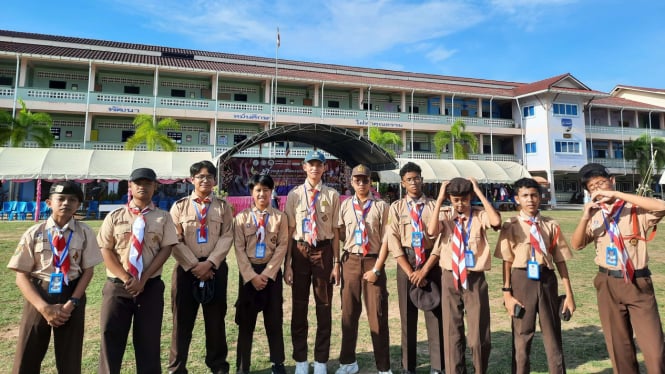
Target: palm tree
x=151, y=132
x=641, y=150
x=26, y=125
x=384, y=139
x=459, y=139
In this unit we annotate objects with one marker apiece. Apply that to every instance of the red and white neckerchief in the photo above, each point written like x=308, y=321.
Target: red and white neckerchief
x=537, y=242
x=416, y=213
x=60, y=249
x=611, y=217
x=458, y=260
x=260, y=221
x=311, y=215
x=202, y=214
x=135, y=260
x=362, y=212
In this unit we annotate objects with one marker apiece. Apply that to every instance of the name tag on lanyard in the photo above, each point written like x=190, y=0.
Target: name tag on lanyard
x=260, y=251
x=358, y=235
x=533, y=270
x=55, y=284
x=306, y=226
x=469, y=259
x=416, y=239
x=202, y=235
x=611, y=255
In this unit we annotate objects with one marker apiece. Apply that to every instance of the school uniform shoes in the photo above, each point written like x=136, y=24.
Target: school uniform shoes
x=278, y=369
x=302, y=367
x=348, y=368
x=320, y=368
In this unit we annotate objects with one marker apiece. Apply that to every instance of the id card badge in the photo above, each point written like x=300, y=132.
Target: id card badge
x=55, y=284
x=199, y=237
x=469, y=259
x=260, y=251
x=533, y=270
x=306, y=227
x=416, y=239
x=358, y=235
x=611, y=255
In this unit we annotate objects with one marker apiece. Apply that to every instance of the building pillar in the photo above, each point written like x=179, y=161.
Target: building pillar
x=637, y=119
x=550, y=178
x=609, y=117
x=23, y=72
x=443, y=105
x=212, y=139
x=92, y=78
x=316, y=98
x=661, y=120
x=402, y=105
x=87, y=129
x=610, y=148
x=480, y=108
x=403, y=141
x=267, y=93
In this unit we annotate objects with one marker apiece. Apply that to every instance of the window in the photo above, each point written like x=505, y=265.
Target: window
x=333, y=104
x=564, y=109
x=567, y=147
x=281, y=100
x=415, y=109
x=58, y=85
x=528, y=111
x=530, y=147
x=371, y=106
x=240, y=97
x=178, y=93
x=132, y=90
x=6, y=81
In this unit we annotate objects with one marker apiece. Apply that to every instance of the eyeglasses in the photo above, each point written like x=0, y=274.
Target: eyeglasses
x=361, y=181
x=413, y=180
x=598, y=185
x=202, y=178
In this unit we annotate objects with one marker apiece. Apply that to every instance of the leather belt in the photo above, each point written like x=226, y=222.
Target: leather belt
x=641, y=273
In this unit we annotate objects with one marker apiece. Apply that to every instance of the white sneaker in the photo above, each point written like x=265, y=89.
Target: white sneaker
x=386, y=372
x=320, y=368
x=302, y=367
x=348, y=368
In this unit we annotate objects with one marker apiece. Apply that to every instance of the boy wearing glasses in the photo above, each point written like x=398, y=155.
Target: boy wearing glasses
x=362, y=219
x=618, y=224
x=204, y=225
x=418, y=265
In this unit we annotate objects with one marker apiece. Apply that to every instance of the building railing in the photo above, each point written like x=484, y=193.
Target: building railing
x=447, y=156
x=629, y=131
x=615, y=163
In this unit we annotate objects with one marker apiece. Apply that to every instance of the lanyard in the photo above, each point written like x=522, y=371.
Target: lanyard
x=615, y=220
x=198, y=213
x=366, y=208
x=467, y=233
x=65, y=252
x=311, y=206
x=414, y=223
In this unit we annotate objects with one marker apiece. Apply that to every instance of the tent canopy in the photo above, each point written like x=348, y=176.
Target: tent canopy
x=435, y=171
x=86, y=164
x=339, y=142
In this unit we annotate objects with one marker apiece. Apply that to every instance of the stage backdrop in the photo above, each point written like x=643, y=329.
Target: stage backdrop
x=286, y=172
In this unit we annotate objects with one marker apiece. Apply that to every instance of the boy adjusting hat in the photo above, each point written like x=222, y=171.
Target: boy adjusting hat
x=315, y=156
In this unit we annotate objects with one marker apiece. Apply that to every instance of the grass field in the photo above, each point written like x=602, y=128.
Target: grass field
x=583, y=340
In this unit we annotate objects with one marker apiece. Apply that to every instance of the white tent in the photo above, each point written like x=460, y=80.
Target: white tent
x=85, y=164
x=435, y=171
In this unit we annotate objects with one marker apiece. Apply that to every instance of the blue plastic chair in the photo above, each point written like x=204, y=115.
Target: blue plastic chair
x=7, y=208
x=19, y=212
x=30, y=210
x=163, y=205
x=93, y=209
x=44, y=210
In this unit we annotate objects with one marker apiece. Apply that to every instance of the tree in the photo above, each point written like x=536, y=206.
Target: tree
x=641, y=150
x=460, y=140
x=384, y=139
x=151, y=132
x=26, y=125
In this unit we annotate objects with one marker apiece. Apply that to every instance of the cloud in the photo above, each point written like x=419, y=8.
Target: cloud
x=526, y=14
x=439, y=54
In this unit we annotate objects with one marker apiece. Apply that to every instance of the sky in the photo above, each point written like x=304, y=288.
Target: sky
x=602, y=43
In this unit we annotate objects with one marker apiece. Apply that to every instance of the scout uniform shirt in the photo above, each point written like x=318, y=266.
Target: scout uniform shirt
x=374, y=223
x=632, y=234
x=476, y=236
x=219, y=219
x=327, y=210
x=514, y=243
x=399, y=227
x=276, y=240
x=116, y=232
x=33, y=254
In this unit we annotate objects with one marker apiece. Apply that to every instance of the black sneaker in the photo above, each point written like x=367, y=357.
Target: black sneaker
x=278, y=369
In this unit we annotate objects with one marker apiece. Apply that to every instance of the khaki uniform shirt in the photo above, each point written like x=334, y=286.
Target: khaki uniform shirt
x=276, y=239
x=376, y=218
x=596, y=232
x=116, y=232
x=514, y=244
x=477, y=238
x=327, y=210
x=220, y=231
x=34, y=255
x=399, y=227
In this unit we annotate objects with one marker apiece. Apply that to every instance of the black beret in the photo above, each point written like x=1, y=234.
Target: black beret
x=66, y=188
x=459, y=187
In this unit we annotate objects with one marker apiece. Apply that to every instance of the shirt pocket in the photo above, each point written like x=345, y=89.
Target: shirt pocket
x=122, y=235
x=43, y=254
x=188, y=223
x=76, y=249
x=215, y=226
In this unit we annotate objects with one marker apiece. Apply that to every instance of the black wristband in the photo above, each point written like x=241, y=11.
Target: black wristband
x=75, y=301
x=507, y=289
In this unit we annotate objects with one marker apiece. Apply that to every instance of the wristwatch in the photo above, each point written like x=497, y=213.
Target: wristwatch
x=75, y=301
x=376, y=271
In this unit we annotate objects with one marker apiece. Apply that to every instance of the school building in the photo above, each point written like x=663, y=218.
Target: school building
x=93, y=89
